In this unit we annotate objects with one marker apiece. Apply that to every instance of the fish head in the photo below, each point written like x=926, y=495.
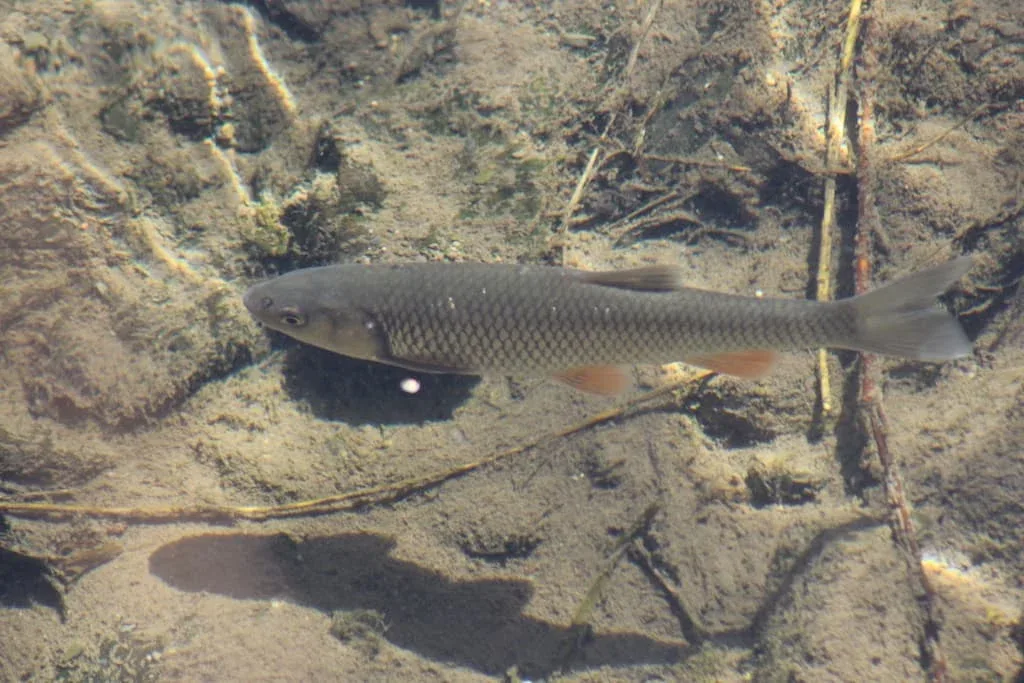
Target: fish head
x=299, y=305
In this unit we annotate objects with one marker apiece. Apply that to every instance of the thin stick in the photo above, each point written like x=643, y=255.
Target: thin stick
x=692, y=629
x=838, y=96
x=645, y=28
x=669, y=196
x=904, y=531
x=579, y=627
x=978, y=111
x=581, y=186
x=351, y=500
x=592, y=160
x=690, y=161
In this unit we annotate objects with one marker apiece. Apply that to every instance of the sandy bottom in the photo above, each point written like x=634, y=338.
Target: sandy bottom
x=156, y=159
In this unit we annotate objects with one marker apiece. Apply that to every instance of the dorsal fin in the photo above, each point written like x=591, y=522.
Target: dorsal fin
x=647, y=279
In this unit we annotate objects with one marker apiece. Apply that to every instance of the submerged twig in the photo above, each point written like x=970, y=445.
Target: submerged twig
x=836, y=131
x=690, y=161
x=692, y=629
x=978, y=111
x=581, y=186
x=904, y=531
x=595, y=154
x=351, y=500
x=672, y=214
x=580, y=625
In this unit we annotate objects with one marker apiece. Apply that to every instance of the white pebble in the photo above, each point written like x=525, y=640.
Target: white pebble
x=410, y=385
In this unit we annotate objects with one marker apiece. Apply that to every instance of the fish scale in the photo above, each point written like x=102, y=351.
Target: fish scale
x=487, y=318
x=482, y=318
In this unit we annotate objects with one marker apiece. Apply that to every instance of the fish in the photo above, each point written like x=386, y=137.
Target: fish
x=583, y=327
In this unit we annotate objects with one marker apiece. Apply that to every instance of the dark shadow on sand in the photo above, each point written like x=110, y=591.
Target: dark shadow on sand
x=25, y=582
x=360, y=392
x=474, y=623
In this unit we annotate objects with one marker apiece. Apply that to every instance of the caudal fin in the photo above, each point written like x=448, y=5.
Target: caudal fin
x=903, y=319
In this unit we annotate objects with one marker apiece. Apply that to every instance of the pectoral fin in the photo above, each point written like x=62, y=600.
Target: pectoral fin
x=745, y=364
x=605, y=380
x=422, y=366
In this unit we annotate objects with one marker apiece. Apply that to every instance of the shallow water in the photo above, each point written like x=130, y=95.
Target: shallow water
x=255, y=509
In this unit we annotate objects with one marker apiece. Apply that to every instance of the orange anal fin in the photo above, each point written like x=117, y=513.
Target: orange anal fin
x=606, y=380
x=744, y=364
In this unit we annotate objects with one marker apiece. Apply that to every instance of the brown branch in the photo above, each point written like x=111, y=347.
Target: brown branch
x=836, y=129
x=351, y=500
x=978, y=111
x=868, y=224
x=593, y=160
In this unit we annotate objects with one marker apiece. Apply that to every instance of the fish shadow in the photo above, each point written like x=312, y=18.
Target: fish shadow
x=476, y=623
x=360, y=392
x=25, y=583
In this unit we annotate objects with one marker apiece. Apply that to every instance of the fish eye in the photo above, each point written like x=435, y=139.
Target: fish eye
x=292, y=318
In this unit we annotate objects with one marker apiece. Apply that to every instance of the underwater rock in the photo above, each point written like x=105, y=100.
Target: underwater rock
x=20, y=91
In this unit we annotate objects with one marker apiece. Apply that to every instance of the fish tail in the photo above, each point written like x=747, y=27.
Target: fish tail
x=902, y=318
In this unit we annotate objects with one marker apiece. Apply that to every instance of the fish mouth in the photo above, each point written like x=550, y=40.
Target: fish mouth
x=251, y=300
